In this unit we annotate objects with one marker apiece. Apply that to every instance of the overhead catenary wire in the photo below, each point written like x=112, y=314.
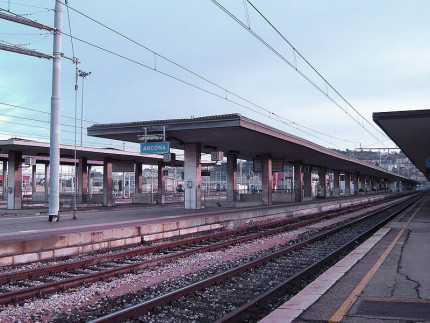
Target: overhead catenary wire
x=312, y=67
x=35, y=110
x=277, y=53
x=24, y=5
x=270, y=114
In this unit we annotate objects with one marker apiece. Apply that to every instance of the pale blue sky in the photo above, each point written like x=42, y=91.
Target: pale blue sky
x=375, y=53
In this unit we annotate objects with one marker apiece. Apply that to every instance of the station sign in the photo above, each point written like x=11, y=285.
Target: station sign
x=217, y=155
x=277, y=165
x=123, y=167
x=30, y=161
x=428, y=162
x=162, y=147
x=169, y=157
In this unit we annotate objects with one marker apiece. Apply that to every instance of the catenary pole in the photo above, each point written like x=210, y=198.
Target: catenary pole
x=54, y=151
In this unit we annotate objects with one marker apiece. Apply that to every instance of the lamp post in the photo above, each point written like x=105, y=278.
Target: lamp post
x=83, y=75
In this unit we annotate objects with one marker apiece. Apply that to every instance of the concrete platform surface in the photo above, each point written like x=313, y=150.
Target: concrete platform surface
x=25, y=237
x=386, y=279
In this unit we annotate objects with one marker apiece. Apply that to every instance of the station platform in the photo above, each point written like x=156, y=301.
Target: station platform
x=27, y=235
x=385, y=279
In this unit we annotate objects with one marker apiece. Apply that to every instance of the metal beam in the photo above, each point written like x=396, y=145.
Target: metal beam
x=24, y=21
x=24, y=51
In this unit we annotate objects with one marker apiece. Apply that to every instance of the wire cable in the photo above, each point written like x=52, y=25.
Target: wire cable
x=271, y=114
x=295, y=67
x=30, y=119
x=312, y=67
x=24, y=5
x=35, y=110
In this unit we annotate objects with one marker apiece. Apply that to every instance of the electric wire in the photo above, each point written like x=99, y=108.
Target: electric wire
x=24, y=5
x=31, y=119
x=290, y=64
x=35, y=110
x=29, y=34
x=270, y=114
x=278, y=117
x=312, y=67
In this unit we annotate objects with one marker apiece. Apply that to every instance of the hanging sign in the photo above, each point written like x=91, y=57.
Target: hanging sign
x=162, y=147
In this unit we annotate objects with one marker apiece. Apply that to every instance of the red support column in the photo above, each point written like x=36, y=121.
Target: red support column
x=4, y=180
x=193, y=175
x=47, y=182
x=138, y=178
x=322, y=174
x=83, y=180
x=33, y=182
x=356, y=184
x=267, y=179
x=363, y=183
x=14, y=196
x=336, y=183
x=161, y=196
x=347, y=183
x=298, y=182
x=307, y=184
x=107, y=183
x=231, y=177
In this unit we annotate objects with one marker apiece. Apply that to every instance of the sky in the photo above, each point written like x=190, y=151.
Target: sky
x=375, y=54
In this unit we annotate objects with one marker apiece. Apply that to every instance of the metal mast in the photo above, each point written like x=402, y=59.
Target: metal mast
x=54, y=152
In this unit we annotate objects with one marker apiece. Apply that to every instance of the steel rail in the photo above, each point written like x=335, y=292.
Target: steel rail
x=145, y=307
x=315, y=217
x=47, y=288
x=238, y=314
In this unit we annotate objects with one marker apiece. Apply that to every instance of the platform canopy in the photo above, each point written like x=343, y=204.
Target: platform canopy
x=410, y=130
x=40, y=150
x=236, y=134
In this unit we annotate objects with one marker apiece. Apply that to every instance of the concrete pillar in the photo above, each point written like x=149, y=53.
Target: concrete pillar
x=107, y=182
x=347, y=183
x=33, y=181
x=298, y=182
x=14, y=189
x=356, y=179
x=336, y=183
x=307, y=184
x=4, y=188
x=192, y=176
x=138, y=178
x=83, y=180
x=267, y=178
x=161, y=196
x=231, y=177
x=362, y=183
x=322, y=174
x=89, y=183
x=47, y=173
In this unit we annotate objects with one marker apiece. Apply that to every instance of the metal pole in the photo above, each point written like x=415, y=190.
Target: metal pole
x=54, y=151
x=82, y=107
x=83, y=75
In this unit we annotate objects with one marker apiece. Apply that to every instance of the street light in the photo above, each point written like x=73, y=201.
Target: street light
x=83, y=75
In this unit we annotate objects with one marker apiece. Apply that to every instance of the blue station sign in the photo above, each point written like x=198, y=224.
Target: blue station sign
x=428, y=162
x=155, y=147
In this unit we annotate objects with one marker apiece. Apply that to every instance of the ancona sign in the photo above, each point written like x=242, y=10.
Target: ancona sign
x=155, y=147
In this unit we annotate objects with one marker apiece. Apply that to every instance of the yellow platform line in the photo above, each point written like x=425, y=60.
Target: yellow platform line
x=352, y=297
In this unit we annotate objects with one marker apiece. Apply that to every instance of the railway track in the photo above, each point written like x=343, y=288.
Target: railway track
x=233, y=295
x=20, y=285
